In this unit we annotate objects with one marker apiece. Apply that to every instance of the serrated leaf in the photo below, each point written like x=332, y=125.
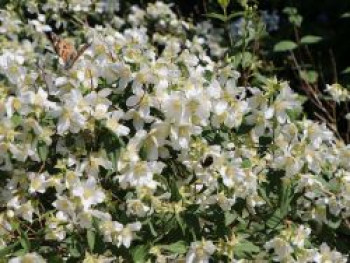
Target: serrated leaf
x=310, y=39
x=275, y=220
x=91, y=238
x=179, y=247
x=245, y=248
x=139, y=254
x=286, y=195
x=285, y=45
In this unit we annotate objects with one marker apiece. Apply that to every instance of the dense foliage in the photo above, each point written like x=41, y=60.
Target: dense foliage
x=167, y=140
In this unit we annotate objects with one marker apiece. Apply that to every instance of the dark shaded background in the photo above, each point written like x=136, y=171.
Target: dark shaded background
x=321, y=17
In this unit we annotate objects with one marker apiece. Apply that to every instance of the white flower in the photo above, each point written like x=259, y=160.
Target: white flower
x=71, y=115
x=113, y=124
x=40, y=25
x=80, y=5
x=127, y=234
x=337, y=92
x=140, y=174
x=282, y=249
x=28, y=258
x=326, y=255
x=65, y=205
x=115, y=232
x=200, y=252
x=300, y=235
x=89, y=193
x=90, y=258
x=232, y=174
x=124, y=75
x=37, y=182
x=136, y=207
x=285, y=100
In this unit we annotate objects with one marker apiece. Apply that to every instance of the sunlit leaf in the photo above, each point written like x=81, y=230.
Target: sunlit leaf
x=224, y=3
x=285, y=45
x=139, y=254
x=310, y=39
x=91, y=238
x=346, y=71
x=179, y=247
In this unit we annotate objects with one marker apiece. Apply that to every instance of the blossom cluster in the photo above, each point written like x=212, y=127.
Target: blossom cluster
x=149, y=140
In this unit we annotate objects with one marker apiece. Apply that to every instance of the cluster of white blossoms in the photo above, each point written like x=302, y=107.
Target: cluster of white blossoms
x=338, y=93
x=291, y=246
x=152, y=124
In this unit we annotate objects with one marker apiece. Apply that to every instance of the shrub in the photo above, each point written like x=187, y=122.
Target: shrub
x=152, y=145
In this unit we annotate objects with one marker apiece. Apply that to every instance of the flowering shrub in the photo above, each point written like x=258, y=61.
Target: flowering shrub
x=150, y=149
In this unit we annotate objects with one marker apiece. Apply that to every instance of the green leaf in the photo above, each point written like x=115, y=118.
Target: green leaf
x=346, y=71
x=290, y=10
x=285, y=45
x=275, y=219
x=180, y=222
x=296, y=20
x=151, y=227
x=25, y=242
x=220, y=17
x=74, y=252
x=234, y=15
x=245, y=248
x=309, y=76
x=286, y=196
x=91, y=238
x=224, y=3
x=19, y=253
x=229, y=218
x=179, y=247
x=54, y=258
x=139, y=254
x=345, y=15
x=43, y=151
x=310, y=39
x=334, y=223
x=247, y=59
x=16, y=119
x=8, y=249
x=246, y=164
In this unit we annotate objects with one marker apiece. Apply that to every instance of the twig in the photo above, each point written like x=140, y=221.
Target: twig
x=311, y=92
x=329, y=125
x=41, y=168
x=334, y=66
x=347, y=135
